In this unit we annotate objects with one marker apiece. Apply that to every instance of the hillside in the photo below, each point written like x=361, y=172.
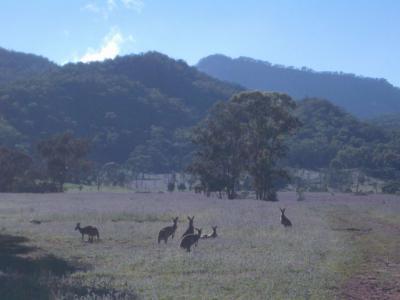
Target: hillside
x=390, y=121
x=115, y=103
x=326, y=131
x=364, y=97
x=18, y=66
x=137, y=107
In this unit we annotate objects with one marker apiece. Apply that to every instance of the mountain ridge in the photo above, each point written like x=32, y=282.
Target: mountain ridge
x=362, y=96
x=16, y=65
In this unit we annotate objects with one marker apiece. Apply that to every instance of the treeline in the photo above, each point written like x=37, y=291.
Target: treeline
x=55, y=161
x=249, y=142
x=16, y=66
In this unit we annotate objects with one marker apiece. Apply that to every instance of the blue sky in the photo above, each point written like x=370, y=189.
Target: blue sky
x=356, y=36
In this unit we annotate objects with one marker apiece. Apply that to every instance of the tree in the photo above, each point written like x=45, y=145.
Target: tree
x=246, y=134
x=14, y=167
x=266, y=121
x=218, y=159
x=64, y=155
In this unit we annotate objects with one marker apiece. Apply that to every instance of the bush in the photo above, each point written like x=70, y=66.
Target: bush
x=30, y=186
x=392, y=187
x=181, y=187
x=171, y=186
x=300, y=194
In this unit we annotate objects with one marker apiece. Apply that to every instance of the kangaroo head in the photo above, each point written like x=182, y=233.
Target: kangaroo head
x=175, y=220
x=78, y=225
x=214, y=228
x=191, y=220
x=282, y=211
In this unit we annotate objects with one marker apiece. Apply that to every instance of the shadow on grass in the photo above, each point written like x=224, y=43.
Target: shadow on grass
x=23, y=277
x=44, y=277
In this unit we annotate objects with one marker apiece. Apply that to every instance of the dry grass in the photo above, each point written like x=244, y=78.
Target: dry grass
x=254, y=257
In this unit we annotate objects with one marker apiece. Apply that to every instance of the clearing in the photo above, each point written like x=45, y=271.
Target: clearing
x=340, y=246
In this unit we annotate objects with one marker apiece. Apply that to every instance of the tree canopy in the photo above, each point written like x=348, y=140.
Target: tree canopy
x=247, y=134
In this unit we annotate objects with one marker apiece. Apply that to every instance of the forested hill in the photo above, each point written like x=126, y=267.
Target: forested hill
x=389, y=122
x=328, y=131
x=364, y=97
x=137, y=107
x=19, y=66
x=117, y=103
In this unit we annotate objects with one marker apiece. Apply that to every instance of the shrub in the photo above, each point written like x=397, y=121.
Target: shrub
x=391, y=187
x=182, y=187
x=171, y=186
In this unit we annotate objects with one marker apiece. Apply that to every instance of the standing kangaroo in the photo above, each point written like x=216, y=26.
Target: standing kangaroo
x=90, y=231
x=212, y=235
x=189, y=240
x=190, y=229
x=284, y=220
x=168, y=231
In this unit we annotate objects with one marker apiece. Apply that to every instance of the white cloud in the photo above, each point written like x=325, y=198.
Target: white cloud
x=98, y=10
x=133, y=4
x=109, y=6
x=110, y=48
x=92, y=8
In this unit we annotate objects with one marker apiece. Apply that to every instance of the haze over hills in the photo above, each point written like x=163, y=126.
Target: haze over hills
x=362, y=96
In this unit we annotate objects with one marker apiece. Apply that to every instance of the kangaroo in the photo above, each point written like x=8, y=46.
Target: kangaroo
x=90, y=231
x=168, y=231
x=212, y=235
x=190, y=239
x=190, y=229
x=284, y=220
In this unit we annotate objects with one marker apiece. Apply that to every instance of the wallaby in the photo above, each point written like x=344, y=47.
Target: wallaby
x=168, y=231
x=284, y=220
x=190, y=229
x=212, y=235
x=90, y=231
x=189, y=240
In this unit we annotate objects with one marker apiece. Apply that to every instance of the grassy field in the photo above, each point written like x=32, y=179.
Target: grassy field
x=341, y=246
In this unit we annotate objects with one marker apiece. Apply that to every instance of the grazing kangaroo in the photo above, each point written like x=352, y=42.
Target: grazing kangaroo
x=168, y=231
x=90, y=231
x=212, y=235
x=284, y=220
x=190, y=229
x=189, y=240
